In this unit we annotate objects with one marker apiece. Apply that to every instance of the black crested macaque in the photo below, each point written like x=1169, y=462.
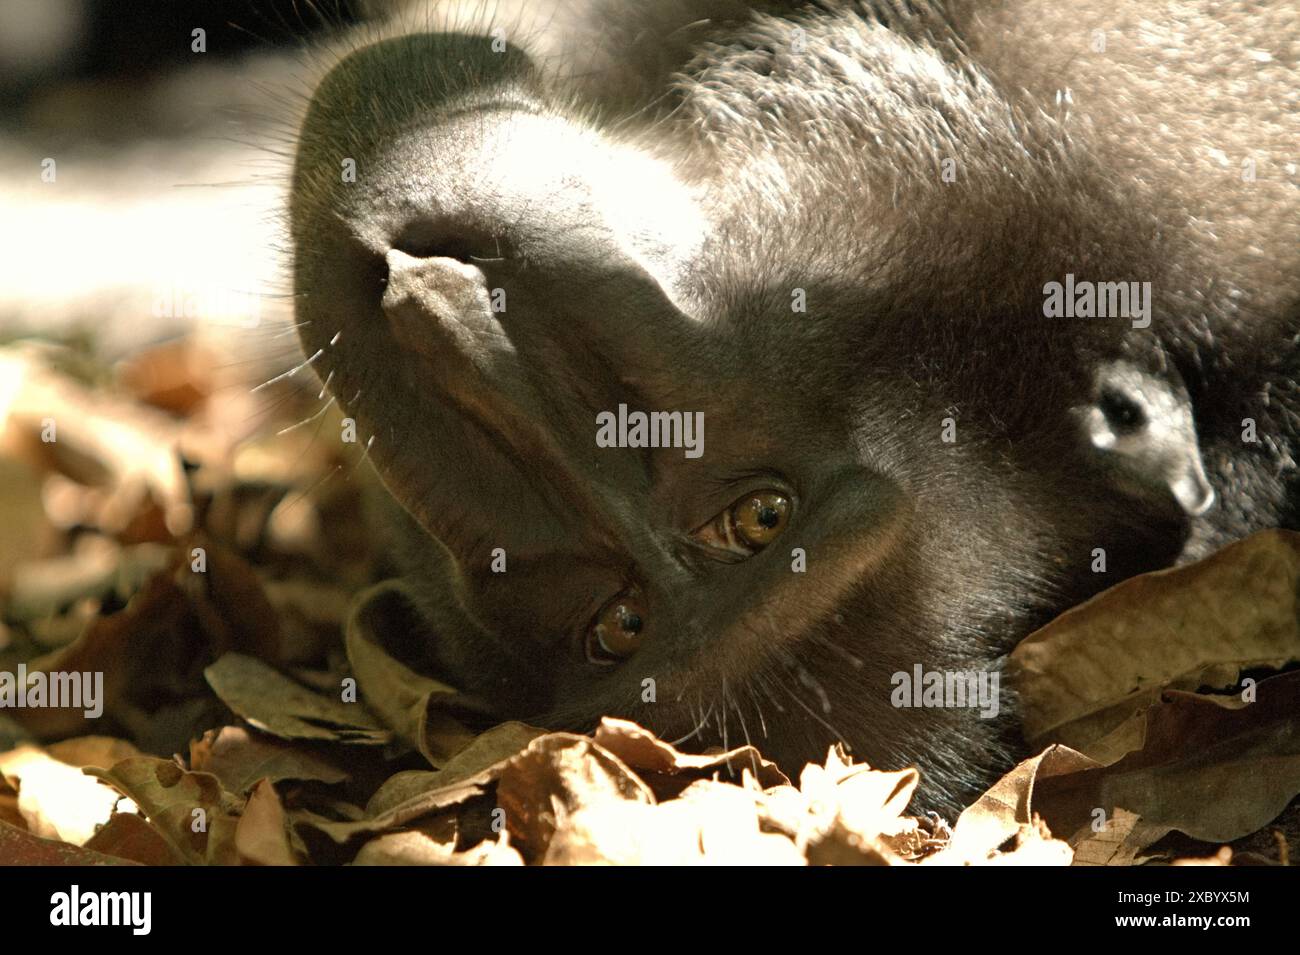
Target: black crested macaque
x=948, y=297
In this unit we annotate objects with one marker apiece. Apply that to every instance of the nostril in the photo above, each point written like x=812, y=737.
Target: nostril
x=450, y=239
x=374, y=273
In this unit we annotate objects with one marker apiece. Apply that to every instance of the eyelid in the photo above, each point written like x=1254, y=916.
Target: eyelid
x=700, y=558
x=727, y=495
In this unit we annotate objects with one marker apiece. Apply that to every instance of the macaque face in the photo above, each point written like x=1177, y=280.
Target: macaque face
x=721, y=415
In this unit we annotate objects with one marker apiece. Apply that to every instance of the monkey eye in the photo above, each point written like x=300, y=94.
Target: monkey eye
x=618, y=629
x=1123, y=414
x=748, y=525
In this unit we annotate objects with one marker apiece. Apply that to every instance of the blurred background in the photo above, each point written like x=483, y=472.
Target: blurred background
x=141, y=162
x=148, y=399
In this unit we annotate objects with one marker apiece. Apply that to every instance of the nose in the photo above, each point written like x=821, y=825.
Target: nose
x=387, y=151
x=442, y=148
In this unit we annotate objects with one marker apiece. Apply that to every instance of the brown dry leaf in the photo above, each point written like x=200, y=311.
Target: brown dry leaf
x=1085, y=673
x=414, y=794
x=84, y=751
x=1222, y=857
x=240, y=759
x=113, y=646
x=867, y=804
x=272, y=702
x=9, y=806
x=406, y=848
x=51, y=633
x=424, y=712
x=1113, y=841
x=420, y=848
x=129, y=836
x=1033, y=845
x=997, y=817
x=229, y=601
x=710, y=823
x=101, y=438
x=28, y=533
x=55, y=799
x=430, y=841
x=190, y=810
x=627, y=832
x=262, y=836
x=176, y=376
x=477, y=765
x=1116, y=739
x=843, y=813
x=488, y=853
x=1215, y=772
x=94, y=569
x=19, y=848
x=556, y=776
x=646, y=753
x=41, y=588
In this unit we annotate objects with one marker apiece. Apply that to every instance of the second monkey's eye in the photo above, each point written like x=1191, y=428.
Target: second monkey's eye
x=1122, y=413
x=748, y=525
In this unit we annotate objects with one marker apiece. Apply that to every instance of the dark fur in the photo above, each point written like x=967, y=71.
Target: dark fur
x=817, y=170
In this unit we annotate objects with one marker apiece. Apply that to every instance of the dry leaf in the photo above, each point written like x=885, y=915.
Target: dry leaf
x=419, y=709
x=91, y=751
x=102, y=438
x=479, y=763
x=230, y=603
x=1114, y=840
x=277, y=705
x=55, y=799
x=1087, y=671
x=176, y=376
x=1222, y=857
x=28, y=532
x=20, y=848
x=420, y=848
x=415, y=794
x=190, y=810
x=557, y=775
x=114, y=646
x=240, y=759
x=1212, y=771
x=262, y=836
x=711, y=823
x=643, y=751
x=1033, y=845
x=998, y=816
x=129, y=836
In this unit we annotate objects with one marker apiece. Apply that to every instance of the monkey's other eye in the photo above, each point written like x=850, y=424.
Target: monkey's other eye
x=1123, y=414
x=617, y=630
x=748, y=525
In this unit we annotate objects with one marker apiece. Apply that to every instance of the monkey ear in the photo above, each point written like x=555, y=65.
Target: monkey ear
x=1139, y=430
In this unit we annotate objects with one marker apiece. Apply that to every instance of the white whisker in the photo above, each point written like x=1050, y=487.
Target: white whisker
x=290, y=373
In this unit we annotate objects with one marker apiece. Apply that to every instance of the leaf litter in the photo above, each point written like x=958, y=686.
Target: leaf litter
x=260, y=710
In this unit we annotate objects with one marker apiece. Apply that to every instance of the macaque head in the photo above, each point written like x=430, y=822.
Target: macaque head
x=720, y=414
